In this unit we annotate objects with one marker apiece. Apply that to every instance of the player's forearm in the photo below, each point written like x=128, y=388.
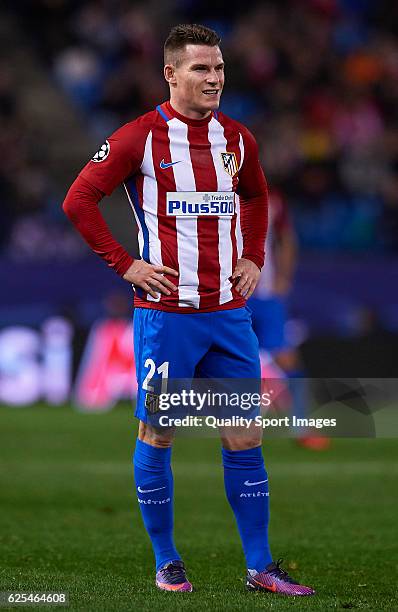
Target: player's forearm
x=81, y=207
x=253, y=195
x=254, y=223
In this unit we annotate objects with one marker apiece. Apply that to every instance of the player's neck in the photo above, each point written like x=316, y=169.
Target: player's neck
x=189, y=113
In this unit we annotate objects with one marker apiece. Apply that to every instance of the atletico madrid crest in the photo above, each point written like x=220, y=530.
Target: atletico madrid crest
x=152, y=402
x=229, y=162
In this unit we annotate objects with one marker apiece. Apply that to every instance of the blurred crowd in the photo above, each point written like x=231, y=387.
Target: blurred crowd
x=316, y=80
x=32, y=225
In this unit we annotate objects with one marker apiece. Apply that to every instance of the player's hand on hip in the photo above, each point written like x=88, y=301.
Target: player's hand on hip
x=247, y=274
x=150, y=278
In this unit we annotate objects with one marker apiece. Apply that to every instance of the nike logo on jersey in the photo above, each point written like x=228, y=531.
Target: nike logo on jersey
x=165, y=165
x=149, y=490
x=251, y=484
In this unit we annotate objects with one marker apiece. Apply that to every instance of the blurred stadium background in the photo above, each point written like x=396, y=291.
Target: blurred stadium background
x=317, y=82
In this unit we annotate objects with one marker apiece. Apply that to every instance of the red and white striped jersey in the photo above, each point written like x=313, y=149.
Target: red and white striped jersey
x=181, y=176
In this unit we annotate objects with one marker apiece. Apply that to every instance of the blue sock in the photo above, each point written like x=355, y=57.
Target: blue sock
x=249, y=502
x=154, y=482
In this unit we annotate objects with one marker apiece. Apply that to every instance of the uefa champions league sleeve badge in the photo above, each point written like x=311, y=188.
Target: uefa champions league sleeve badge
x=102, y=152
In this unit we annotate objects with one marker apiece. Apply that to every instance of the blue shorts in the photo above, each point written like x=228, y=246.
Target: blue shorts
x=218, y=345
x=269, y=319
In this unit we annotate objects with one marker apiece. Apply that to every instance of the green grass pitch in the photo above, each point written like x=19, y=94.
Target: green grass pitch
x=69, y=519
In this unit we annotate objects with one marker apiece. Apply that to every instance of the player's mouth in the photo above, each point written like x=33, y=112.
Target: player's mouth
x=211, y=92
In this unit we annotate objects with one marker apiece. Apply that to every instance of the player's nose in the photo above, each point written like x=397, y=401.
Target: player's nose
x=213, y=78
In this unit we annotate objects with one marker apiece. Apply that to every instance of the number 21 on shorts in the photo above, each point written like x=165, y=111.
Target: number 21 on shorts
x=163, y=369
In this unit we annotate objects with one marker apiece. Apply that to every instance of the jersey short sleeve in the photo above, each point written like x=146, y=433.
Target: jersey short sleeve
x=119, y=157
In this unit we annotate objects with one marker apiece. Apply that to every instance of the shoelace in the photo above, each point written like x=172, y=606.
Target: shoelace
x=175, y=574
x=280, y=573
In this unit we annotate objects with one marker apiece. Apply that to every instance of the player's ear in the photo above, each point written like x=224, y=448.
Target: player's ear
x=169, y=74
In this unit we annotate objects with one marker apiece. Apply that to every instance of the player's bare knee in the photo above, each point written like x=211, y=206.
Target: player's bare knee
x=161, y=438
x=241, y=442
